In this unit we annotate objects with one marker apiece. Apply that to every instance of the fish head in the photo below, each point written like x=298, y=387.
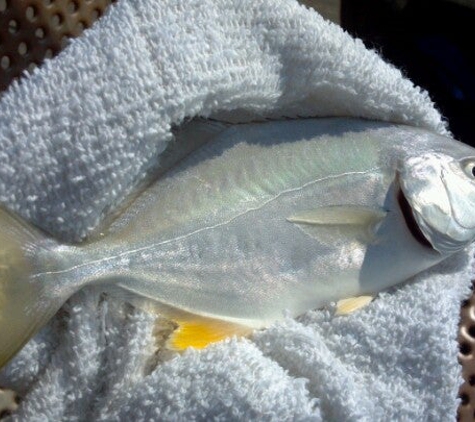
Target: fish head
x=440, y=190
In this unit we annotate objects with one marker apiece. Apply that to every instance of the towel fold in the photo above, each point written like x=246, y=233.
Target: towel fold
x=83, y=130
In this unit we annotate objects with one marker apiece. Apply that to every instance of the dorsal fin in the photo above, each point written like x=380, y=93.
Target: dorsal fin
x=187, y=138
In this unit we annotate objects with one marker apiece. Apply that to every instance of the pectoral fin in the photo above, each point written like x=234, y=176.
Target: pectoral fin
x=347, y=306
x=351, y=221
x=199, y=332
x=339, y=215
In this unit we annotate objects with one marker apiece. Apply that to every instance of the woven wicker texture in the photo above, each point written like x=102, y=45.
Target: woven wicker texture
x=32, y=30
x=467, y=360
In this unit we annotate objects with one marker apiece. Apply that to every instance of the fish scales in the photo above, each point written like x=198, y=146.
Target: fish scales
x=265, y=220
x=217, y=225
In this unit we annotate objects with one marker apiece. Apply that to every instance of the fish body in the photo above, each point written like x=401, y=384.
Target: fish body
x=266, y=219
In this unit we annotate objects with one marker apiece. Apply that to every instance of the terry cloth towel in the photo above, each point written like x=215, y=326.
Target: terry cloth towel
x=79, y=133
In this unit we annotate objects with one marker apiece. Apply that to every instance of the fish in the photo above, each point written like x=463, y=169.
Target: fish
x=262, y=221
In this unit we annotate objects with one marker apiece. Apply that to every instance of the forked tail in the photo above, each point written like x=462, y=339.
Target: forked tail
x=29, y=294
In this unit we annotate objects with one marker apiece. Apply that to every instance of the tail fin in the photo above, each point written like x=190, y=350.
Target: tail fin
x=27, y=300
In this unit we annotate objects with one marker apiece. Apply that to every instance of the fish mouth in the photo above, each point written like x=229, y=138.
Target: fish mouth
x=410, y=219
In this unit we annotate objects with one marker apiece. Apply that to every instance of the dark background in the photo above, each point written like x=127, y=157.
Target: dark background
x=431, y=41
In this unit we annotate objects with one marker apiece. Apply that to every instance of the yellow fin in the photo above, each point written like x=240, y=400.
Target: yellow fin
x=347, y=306
x=180, y=328
x=199, y=332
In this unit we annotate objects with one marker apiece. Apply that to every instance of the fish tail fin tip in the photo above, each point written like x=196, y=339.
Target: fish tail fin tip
x=24, y=305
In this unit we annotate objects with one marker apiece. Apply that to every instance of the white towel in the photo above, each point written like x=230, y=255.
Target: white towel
x=79, y=133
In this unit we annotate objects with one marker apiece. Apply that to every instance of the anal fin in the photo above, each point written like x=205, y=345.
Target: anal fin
x=351, y=304
x=199, y=332
x=180, y=328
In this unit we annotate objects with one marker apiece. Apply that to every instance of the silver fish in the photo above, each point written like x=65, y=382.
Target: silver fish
x=266, y=219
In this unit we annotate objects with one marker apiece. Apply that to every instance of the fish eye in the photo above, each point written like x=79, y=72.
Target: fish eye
x=469, y=168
